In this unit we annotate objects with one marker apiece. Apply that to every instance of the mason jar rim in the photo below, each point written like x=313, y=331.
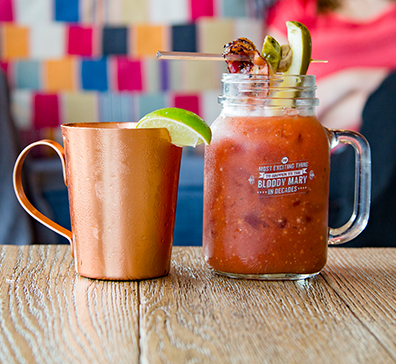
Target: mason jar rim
x=259, y=77
x=277, y=90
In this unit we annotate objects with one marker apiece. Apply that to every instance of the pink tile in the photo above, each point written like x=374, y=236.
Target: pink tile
x=187, y=102
x=201, y=8
x=129, y=74
x=46, y=111
x=6, y=11
x=4, y=67
x=80, y=40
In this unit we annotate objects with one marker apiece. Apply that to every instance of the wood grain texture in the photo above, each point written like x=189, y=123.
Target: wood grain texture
x=193, y=316
x=49, y=314
x=365, y=279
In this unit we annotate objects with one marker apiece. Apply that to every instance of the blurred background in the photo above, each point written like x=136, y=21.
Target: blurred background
x=66, y=61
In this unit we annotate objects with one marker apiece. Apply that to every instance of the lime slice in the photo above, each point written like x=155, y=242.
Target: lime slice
x=186, y=129
x=301, y=46
x=271, y=52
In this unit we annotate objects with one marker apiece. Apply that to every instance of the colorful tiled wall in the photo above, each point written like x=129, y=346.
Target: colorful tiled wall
x=95, y=60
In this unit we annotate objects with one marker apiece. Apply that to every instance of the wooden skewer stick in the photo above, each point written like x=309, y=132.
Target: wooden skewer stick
x=195, y=56
x=319, y=61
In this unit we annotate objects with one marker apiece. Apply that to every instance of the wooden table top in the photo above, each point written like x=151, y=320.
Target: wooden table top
x=49, y=314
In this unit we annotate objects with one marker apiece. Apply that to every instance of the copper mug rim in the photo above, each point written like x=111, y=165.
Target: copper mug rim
x=105, y=125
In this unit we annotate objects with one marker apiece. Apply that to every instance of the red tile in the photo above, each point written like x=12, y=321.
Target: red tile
x=46, y=111
x=6, y=11
x=129, y=74
x=201, y=8
x=79, y=40
x=187, y=102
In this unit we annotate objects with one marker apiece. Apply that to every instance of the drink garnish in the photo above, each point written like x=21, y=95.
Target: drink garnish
x=292, y=58
x=185, y=127
x=301, y=47
x=255, y=63
x=272, y=52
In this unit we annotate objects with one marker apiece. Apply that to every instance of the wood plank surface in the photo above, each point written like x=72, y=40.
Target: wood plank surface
x=193, y=316
x=365, y=279
x=49, y=314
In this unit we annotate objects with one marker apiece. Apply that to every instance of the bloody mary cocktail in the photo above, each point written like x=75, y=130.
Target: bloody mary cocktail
x=267, y=169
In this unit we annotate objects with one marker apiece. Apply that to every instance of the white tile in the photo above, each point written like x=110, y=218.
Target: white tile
x=177, y=70
x=33, y=11
x=48, y=41
x=114, y=10
x=252, y=29
x=210, y=106
x=22, y=108
x=169, y=11
x=151, y=75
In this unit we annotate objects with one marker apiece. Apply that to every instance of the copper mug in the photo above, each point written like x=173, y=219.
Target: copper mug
x=122, y=184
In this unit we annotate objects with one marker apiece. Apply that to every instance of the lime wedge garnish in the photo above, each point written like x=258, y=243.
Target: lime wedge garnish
x=271, y=52
x=301, y=45
x=185, y=128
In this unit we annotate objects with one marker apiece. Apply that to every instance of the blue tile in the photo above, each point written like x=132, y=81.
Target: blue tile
x=67, y=10
x=234, y=8
x=184, y=38
x=28, y=75
x=150, y=102
x=189, y=210
x=94, y=74
x=115, y=40
x=164, y=72
x=116, y=107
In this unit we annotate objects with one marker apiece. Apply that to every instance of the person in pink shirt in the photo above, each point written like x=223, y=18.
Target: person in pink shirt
x=357, y=37
x=356, y=90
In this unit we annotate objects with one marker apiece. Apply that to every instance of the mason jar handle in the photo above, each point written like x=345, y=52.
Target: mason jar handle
x=21, y=196
x=361, y=205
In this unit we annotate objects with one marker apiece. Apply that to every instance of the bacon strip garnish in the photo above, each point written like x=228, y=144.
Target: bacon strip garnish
x=242, y=56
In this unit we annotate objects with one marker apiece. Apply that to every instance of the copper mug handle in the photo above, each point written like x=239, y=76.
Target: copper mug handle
x=24, y=201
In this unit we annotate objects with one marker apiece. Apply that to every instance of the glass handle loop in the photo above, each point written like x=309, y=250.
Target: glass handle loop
x=22, y=198
x=362, y=195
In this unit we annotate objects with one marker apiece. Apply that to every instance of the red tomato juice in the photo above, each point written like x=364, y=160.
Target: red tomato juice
x=266, y=195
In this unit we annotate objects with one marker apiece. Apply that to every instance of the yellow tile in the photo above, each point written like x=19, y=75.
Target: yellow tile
x=148, y=39
x=60, y=75
x=213, y=33
x=78, y=107
x=134, y=11
x=15, y=41
x=201, y=75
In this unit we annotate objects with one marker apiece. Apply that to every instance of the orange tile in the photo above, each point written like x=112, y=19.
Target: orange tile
x=148, y=39
x=134, y=11
x=213, y=33
x=60, y=75
x=15, y=41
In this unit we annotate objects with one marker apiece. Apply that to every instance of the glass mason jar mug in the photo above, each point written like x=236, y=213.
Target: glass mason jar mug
x=266, y=184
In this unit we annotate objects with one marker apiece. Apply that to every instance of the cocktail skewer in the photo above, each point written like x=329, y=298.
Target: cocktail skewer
x=195, y=56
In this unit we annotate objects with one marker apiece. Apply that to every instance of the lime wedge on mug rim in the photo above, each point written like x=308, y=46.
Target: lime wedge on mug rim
x=300, y=42
x=186, y=129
